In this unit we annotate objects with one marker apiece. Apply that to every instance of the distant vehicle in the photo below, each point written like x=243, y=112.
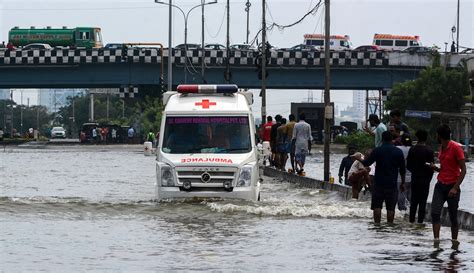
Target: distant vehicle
x=189, y=46
x=395, y=42
x=88, y=37
x=419, y=50
x=368, y=48
x=245, y=47
x=314, y=116
x=58, y=132
x=336, y=42
x=37, y=46
x=115, y=46
x=215, y=47
x=303, y=47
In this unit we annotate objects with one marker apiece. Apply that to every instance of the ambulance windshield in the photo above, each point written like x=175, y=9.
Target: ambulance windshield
x=212, y=134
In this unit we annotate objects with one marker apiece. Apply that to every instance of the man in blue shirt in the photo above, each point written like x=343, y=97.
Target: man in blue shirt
x=390, y=162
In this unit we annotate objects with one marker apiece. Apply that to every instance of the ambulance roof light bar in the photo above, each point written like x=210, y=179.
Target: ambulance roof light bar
x=207, y=88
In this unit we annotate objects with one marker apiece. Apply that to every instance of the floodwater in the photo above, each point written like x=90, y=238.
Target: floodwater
x=90, y=208
x=315, y=168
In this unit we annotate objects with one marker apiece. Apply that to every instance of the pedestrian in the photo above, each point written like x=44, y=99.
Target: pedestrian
x=390, y=162
x=453, y=47
x=358, y=175
x=130, y=134
x=396, y=121
x=346, y=164
x=94, y=134
x=405, y=196
x=266, y=129
x=291, y=147
x=452, y=170
x=282, y=144
x=150, y=137
x=419, y=159
x=379, y=128
x=302, y=140
x=2, y=45
x=1, y=134
x=114, y=135
x=10, y=46
x=273, y=142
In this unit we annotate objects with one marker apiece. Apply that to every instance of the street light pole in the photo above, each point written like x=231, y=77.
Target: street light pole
x=247, y=9
x=170, y=49
x=185, y=16
x=264, y=64
x=457, y=31
x=227, y=44
x=202, y=44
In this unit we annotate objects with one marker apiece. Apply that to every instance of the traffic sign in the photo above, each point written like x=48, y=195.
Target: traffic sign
x=418, y=114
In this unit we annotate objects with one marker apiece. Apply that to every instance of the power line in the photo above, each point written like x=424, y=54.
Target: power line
x=220, y=27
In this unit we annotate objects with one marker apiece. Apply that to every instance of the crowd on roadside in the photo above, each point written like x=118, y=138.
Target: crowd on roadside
x=399, y=174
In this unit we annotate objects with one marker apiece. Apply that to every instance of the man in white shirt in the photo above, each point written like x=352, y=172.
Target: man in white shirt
x=302, y=141
x=358, y=175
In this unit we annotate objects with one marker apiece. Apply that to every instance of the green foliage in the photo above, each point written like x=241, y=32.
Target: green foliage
x=31, y=115
x=435, y=89
x=360, y=140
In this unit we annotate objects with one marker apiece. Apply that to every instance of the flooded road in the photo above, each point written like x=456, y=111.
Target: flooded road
x=90, y=208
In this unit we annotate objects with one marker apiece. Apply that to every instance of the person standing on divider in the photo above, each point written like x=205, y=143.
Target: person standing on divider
x=390, y=162
x=452, y=171
x=291, y=147
x=419, y=160
x=346, y=165
x=302, y=139
x=273, y=141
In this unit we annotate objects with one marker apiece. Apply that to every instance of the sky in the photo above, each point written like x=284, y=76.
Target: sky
x=146, y=21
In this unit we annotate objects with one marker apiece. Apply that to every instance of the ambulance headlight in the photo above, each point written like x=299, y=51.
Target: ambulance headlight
x=245, y=176
x=167, y=179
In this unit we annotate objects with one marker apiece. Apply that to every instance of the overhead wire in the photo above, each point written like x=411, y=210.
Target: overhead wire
x=220, y=27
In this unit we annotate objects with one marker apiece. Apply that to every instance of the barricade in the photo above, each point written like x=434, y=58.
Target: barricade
x=465, y=219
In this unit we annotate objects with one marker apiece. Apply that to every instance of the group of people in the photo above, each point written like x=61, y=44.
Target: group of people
x=288, y=138
x=399, y=173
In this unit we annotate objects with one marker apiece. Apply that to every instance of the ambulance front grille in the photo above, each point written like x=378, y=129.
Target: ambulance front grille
x=218, y=175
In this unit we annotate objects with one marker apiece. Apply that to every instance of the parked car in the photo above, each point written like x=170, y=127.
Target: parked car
x=190, y=46
x=303, y=47
x=368, y=48
x=419, y=50
x=242, y=47
x=215, y=46
x=37, y=46
x=58, y=132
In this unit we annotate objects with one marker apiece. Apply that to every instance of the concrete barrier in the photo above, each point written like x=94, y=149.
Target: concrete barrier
x=465, y=219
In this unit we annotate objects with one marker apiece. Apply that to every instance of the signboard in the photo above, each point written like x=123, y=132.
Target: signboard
x=418, y=114
x=111, y=91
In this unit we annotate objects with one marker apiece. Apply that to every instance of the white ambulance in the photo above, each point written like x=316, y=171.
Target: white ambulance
x=207, y=146
x=395, y=42
x=336, y=42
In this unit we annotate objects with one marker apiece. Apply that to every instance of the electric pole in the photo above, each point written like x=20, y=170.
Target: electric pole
x=247, y=10
x=264, y=63
x=170, y=48
x=328, y=111
x=227, y=66
x=457, y=31
x=203, y=51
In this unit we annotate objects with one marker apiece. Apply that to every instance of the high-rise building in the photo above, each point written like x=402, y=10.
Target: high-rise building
x=358, y=98
x=4, y=94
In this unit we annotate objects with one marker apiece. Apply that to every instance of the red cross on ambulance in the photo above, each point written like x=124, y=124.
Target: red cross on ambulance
x=205, y=104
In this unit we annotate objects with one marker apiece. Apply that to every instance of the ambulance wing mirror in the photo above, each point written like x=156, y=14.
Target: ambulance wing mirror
x=167, y=96
x=248, y=96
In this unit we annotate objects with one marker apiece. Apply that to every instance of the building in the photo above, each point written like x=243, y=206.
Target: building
x=4, y=94
x=358, y=101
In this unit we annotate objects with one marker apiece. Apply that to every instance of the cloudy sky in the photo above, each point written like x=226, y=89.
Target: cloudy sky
x=145, y=21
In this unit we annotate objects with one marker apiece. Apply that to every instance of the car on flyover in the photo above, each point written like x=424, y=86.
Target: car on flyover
x=243, y=47
x=419, y=50
x=189, y=46
x=215, y=47
x=37, y=46
x=303, y=47
x=58, y=132
x=368, y=48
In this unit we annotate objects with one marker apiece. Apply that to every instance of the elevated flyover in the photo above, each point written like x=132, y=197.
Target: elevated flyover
x=92, y=68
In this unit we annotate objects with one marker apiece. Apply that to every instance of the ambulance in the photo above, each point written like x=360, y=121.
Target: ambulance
x=395, y=42
x=207, y=147
x=336, y=42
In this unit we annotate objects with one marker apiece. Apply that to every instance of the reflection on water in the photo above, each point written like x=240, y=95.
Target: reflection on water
x=76, y=209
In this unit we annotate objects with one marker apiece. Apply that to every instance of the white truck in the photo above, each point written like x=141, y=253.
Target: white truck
x=207, y=145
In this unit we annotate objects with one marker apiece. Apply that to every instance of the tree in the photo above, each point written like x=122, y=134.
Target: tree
x=435, y=89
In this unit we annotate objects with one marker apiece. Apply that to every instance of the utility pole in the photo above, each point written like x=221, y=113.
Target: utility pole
x=227, y=67
x=170, y=49
x=21, y=113
x=203, y=51
x=457, y=31
x=264, y=64
x=247, y=9
x=328, y=111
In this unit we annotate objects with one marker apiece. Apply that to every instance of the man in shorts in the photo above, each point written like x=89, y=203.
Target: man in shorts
x=302, y=139
x=390, y=162
x=291, y=147
x=451, y=175
x=273, y=141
